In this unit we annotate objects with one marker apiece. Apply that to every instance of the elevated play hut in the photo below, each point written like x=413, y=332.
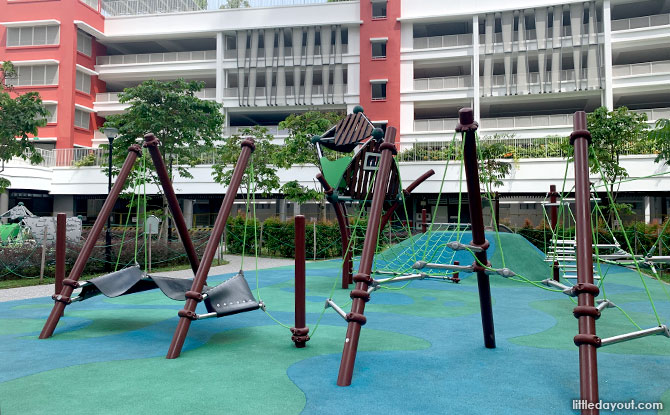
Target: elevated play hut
x=354, y=179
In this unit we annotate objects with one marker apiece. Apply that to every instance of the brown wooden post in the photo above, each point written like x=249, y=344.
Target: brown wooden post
x=61, y=246
x=151, y=143
x=467, y=126
x=194, y=296
x=300, y=331
x=43, y=258
x=424, y=221
x=362, y=279
x=456, y=277
x=585, y=312
x=554, y=223
x=63, y=299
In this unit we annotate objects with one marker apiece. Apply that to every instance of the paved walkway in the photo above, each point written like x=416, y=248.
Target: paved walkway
x=36, y=291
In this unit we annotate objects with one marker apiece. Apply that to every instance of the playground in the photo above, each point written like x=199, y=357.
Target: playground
x=270, y=340
x=421, y=351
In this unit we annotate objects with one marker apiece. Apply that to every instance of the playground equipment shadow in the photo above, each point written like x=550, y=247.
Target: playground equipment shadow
x=421, y=350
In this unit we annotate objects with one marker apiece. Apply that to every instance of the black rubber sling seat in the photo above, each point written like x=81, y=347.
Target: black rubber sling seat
x=231, y=297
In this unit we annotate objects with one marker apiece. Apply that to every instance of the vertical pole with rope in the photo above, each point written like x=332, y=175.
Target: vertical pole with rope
x=424, y=221
x=300, y=330
x=586, y=291
x=63, y=298
x=467, y=126
x=553, y=200
x=194, y=295
x=360, y=294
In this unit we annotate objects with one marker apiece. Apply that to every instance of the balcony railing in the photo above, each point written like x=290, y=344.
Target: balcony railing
x=288, y=52
x=435, y=124
x=641, y=22
x=531, y=121
x=646, y=68
x=290, y=92
x=655, y=114
x=137, y=7
x=206, y=93
x=446, y=41
x=448, y=82
x=165, y=57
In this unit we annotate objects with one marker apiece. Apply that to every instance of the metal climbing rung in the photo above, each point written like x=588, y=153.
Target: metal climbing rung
x=424, y=264
x=400, y=278
x=566, y=242
x=660, y=330
x=457, y=246
x=561, y=258
x=566, y=290
x=574, y=277
x=603, y=304
x=607, y=245
x=338, y=310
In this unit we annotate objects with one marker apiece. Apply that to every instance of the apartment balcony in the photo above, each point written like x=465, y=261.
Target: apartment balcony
x=288, y=52
x=107, y=103
x=642, y=77
x=232, y=97
x=565, y=39
x=156, y=65
x=440, y=88
x=567, y=83
x=646, y=30
x=139, y=7
x=643, y=22
x=446, y=41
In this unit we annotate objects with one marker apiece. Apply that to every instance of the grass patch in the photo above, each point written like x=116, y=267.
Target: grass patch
x=30, y=282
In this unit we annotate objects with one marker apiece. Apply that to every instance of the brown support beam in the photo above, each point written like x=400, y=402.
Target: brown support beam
x=360, y=294
x=586, y=312
x=300, y=331
x=63, y=299
x=151, y=143
x=61, y=247
x=554, y=223
x=467, y=126
x=194, y=296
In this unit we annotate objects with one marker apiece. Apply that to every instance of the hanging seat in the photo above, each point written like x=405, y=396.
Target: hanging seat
x=232, y=296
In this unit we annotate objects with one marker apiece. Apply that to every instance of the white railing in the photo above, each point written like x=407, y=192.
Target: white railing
x=655, y=114
x=317, y=90
x=272, y=129
x=165, y=57
x=288, y=52
x=135, y=7
x=206, y=93
x=447, y=82
x=530, y=121
x=531, y=34
x=640, y=22
x=91, y=3
x=435, y=124
x=645, y=68
x=446, y=41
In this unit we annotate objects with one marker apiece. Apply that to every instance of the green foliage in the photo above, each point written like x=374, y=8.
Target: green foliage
x=264, y=172
x=88, y=160
x=298, y=149
x=235, y=4
x=20, y=116
x=492, y=170
x=185, y=125
x=660, y=136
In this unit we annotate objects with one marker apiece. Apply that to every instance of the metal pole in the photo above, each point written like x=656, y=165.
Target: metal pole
x=300, y=331
x=62, y=299
x=194, y=295
x=43, y=259
x=61, y=246
x=150, y=247
x=108, y=233
x=315, y=240
x=467, y=126
x=554, y=223
x=151, y=143
x=586, y=291
x=360, y=294
x=456, y=278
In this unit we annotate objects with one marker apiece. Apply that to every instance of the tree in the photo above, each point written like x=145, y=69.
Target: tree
x=20, y=117
x=185, y=125
x=613, y=133
x=660, y=137
x=265, y=179
x=492, y=171
x=298, y=149
x=235, y=4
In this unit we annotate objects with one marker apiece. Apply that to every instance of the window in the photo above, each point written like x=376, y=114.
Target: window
x=37, y=75
x=81, y=119
x=378, y=90
x=33, y=36
x=84, y=43
x=83, y=82
x=378, y=9
x=52, y=118
x=378, y=48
